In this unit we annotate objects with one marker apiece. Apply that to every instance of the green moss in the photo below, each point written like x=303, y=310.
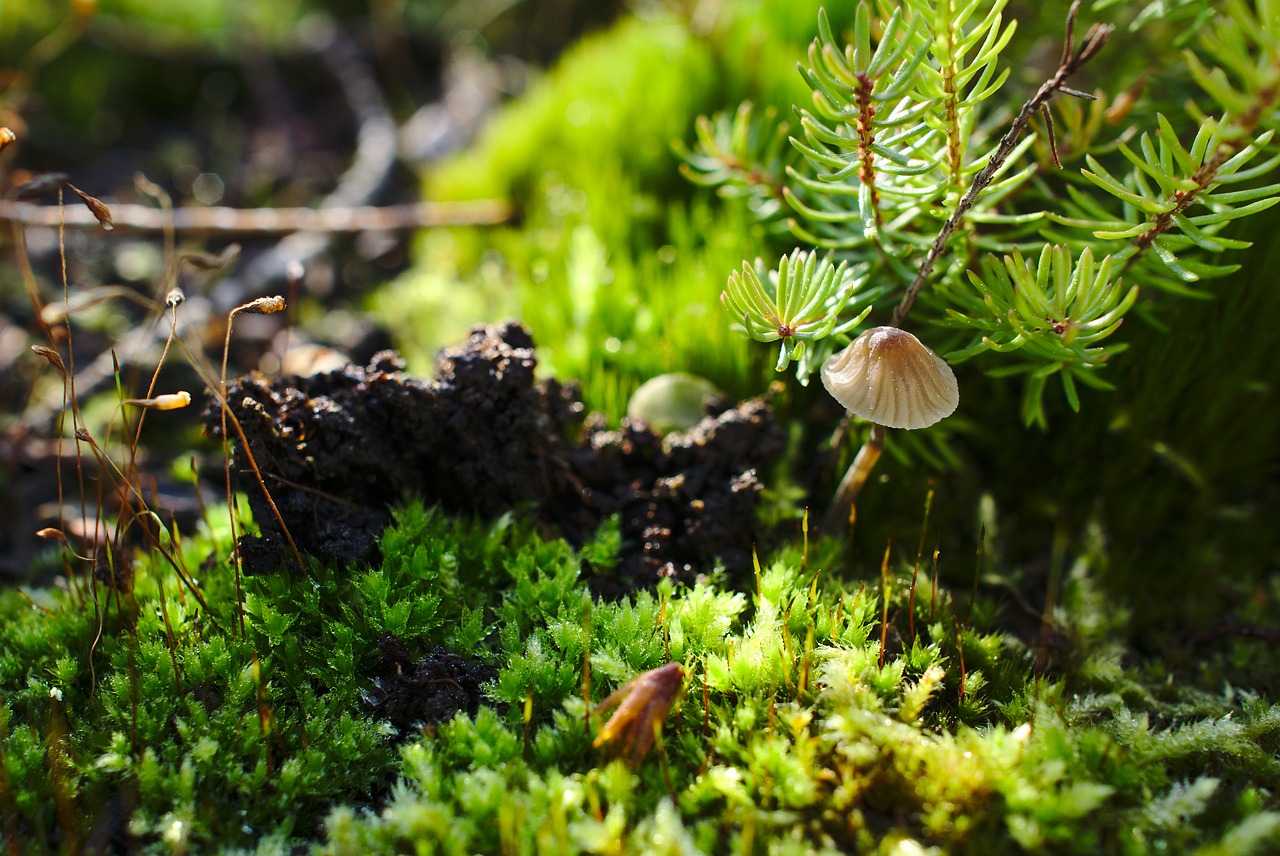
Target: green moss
x=791, y=737
x=605, y=96
x=796, y=729
x=206, y=24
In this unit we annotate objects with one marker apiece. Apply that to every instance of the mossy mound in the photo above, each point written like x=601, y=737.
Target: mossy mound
x=819, y=714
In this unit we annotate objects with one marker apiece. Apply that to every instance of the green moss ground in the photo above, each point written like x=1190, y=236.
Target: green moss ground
x=790, y=736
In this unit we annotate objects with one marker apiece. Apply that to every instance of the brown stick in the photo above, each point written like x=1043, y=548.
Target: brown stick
x=267, y=221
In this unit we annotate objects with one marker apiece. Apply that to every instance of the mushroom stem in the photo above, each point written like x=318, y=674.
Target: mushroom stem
x=846, y=496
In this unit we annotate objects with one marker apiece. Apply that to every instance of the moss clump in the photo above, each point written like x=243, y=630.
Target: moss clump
x=805, y=724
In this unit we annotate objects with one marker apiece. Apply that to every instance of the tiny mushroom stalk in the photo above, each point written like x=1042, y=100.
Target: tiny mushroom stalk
x=888, y=377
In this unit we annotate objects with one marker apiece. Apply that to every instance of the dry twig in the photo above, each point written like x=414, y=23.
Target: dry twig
x=265, y=221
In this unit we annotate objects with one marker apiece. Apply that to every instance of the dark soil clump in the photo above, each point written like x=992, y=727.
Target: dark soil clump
x=426, y=691
x=336, y=450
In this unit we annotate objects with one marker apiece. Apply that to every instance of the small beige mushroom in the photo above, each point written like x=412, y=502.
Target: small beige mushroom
x=887, y=376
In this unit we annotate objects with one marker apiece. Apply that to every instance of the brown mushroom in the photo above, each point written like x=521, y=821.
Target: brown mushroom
x=887, y=376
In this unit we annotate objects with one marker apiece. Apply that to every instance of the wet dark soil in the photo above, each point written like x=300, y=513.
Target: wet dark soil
x=337, y=450
x=427, y=690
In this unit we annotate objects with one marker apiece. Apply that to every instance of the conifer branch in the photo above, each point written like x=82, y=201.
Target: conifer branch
x=1073, y=59
x=1206, y=176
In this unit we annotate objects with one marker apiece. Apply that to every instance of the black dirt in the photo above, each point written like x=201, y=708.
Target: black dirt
x=413, y=693
x=337, y=450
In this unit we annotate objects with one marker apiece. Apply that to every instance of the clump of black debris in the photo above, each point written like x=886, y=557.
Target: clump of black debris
x=336, y=450
x=411, y=693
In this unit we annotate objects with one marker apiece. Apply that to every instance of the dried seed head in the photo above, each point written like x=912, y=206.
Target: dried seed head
x=168, y=401
x=642, y=704
x=889, y=377
x=96, y=206
x=88, y=534
x=54, y=358
x=263, y=306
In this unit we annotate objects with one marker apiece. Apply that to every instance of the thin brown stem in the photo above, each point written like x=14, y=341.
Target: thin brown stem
x=268, y=221
x=219, y=390
x=151, y=388
x=884, y=603
x=1073, y=60
x=226, y=469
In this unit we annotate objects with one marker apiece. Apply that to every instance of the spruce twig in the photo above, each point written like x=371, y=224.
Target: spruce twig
x=1073, y=59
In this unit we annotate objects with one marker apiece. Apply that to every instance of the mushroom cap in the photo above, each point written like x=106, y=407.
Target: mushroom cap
x=889, y=377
